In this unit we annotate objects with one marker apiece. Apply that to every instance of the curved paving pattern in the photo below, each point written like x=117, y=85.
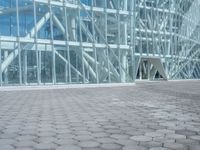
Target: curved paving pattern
x=148, y=116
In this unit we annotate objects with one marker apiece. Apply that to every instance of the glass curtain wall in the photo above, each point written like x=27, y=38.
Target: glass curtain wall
x=98, y=41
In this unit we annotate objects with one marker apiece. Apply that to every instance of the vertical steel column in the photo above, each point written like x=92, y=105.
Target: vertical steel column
x=152, y=30
x=119, y=41
x=140, y=43
x=94, y=42
x=146, y=26
x=81, y=40
x=165, y=38
x=124, y=52
x=19, y=44
x=171, y=36
x=0, y=64
x=159, y=32
x=5, y=55
x=157, y=28
x=38, y=58
x=106, y=39
x=132, y=42
x=175, y=42
x=77, y=75
x=166, y=42
x=25, y=66
x=148, y=69
x=52, y=44
x=67, y=42
x=0, y=61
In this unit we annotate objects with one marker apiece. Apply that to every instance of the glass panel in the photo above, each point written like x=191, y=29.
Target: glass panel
x=26, y=18
x=46, y=63
x=8, y=18
x=42, y=11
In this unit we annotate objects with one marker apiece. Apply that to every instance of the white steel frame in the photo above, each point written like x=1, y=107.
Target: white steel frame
x=98, y=41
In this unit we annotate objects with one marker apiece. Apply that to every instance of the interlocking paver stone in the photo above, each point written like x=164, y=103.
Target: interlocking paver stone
x=160, y=148
x=134, y=148
x=26, y=137
x=65, y=141
x=154, y=134
x=111, y=146
x=106, y=140
x=195, y=137
x=120, y=136
x=83, y=137
x=176, y=136
x=126, y=142
x=141, y=138
x=7, y=141
x=69, y=147
x=89, y=144
x=187, y=141
x=175, y=146
x=25, y=143
x=147, y=115
x=25, y=148
x=185, y=132
x=194, y=147
x=7, y=147
x=100, y=134
x=49, y=139
x=45, y=146
x=151, y=144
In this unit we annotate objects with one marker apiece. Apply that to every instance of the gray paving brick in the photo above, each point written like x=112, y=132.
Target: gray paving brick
x=100, y=134
x=141, y=138
x=160, y=148
x=111, y=146
x=7, y=147
x=120, y=136
x=26, y=137
x=25, y=148
x=165, y=139
x=185, y=132
x=88, y=144
x=194, y=147
x=45, y=146
x=176, y=136
x=195, y=137
x=83, y=137
x=49, y=139
x=91, y=149
x=25, y=143
x=134, y=148
x=176, y=146
x=69, y=147
x=127, y=142
x=148, y=115
x=106, y=140
x=65, y=142
x=151, y=144
x=187, y=141
x=154, y=134
x=7, y=141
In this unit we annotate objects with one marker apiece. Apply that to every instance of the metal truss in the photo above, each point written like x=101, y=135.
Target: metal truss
x=98, y=41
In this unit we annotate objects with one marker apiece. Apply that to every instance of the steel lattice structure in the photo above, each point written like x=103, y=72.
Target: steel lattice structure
x=98, y=41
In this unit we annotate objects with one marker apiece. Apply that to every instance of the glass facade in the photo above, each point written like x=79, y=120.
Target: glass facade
x=98, y=41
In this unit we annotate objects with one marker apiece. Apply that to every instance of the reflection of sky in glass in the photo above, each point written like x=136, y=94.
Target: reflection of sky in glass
x=87, y=2
x=8, y=21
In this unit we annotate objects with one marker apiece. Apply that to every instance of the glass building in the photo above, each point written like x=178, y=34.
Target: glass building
x=98, y=41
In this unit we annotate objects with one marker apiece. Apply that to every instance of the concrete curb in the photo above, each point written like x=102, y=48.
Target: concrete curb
x=69, y=86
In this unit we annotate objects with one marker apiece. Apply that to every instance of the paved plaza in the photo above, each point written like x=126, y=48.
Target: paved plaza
x=145, y=116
